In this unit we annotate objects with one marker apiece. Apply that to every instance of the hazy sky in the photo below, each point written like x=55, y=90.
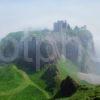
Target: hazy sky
x=20, y=14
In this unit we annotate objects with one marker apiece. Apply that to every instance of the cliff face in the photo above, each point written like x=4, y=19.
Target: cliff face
x=75, y=44
x=88, y=52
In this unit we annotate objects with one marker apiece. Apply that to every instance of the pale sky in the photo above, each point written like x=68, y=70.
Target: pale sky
x=16, y=15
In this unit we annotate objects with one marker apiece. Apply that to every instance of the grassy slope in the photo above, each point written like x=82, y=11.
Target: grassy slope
x=36, y=77
x=67, y=68
x=16, y=85
x=86, y=91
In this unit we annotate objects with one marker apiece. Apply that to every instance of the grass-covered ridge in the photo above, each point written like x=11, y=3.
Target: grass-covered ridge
x=85, y=91
x=66, y=68
x=16, y=85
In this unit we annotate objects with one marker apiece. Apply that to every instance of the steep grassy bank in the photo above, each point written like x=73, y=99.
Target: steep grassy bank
x=16, y=85
x=45, y=84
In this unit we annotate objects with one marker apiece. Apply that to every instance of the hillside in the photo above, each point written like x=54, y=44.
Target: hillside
x=16, y=85
x=57, y=78
x=68, y=74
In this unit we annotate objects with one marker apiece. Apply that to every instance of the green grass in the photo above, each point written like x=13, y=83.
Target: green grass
x=67, y=68
x=9, y=79
x=29, y=93
x=85, y=91
x=16, y=85
x=36, y=78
